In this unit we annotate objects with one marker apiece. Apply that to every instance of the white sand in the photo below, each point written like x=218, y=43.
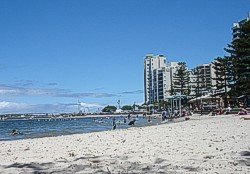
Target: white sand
x=200, y=145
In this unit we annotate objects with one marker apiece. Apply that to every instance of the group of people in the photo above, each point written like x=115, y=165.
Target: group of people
x=131, y=122
x=128, y=119
x=228, y=110
x=176, y=113
x=166, y=114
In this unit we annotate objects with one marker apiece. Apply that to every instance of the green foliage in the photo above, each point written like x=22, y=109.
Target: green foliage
x=109, y=109
x=143, y=106
x=196, y=84
x=223, y=76
x=127, y=108
x=181, y=79
x=164, y=104
x=239, y=50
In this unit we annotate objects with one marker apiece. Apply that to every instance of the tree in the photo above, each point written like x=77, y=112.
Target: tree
x=197, y=78
x=109, y=109
x=143, y=106
x=163, y=104
x=223, y=76
x=239, y=51
x=181, y=79
x=127, y=108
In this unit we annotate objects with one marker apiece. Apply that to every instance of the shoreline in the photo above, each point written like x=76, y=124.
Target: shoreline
x=200, y=145
x=170, y=121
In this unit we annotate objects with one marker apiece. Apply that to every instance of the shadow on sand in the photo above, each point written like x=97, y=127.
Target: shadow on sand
x=100, y=164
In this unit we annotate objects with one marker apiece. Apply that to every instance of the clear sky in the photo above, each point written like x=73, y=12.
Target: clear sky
x=55, y=52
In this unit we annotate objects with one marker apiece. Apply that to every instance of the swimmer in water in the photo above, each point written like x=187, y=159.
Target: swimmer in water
x=149, y=119
x=132, y=122
x=15, y=132
x=124, y=120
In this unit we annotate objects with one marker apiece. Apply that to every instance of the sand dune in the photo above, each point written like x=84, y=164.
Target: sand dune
x=204, y=144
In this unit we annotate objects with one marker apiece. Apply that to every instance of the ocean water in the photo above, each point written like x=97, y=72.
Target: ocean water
x=58, y=127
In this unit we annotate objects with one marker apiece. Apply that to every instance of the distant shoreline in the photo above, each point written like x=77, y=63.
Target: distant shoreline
x=74, y=117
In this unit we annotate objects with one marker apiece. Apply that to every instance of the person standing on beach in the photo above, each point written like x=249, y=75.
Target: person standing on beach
x=114, y=123
x=163, y=115
x=129, y=116
x=167, y=115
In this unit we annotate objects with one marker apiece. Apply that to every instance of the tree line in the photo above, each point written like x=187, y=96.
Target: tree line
x=111, y=109
x=232, y=71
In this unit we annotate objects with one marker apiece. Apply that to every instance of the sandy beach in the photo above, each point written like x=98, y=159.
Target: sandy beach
x=206, y=144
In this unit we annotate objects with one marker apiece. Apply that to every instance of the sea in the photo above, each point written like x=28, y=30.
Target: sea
x=36, y=128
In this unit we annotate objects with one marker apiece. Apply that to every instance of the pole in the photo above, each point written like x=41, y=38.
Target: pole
x=180, y=103
x=212, y=96
x=176, y=103
x=201, y=106
x=171, y=82
x=171, y=106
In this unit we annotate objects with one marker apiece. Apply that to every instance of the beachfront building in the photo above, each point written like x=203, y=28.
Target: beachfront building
x=158, y=78
x=202, y=80
x=154, y=77
x=237, y=25
x=202, y=87
x=171, y=70
x=159, y=84
x=193, y=82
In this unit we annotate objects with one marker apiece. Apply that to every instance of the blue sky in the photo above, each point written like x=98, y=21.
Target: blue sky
x=54, y=52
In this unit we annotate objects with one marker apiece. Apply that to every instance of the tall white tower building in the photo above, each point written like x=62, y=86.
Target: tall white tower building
x=154, y=76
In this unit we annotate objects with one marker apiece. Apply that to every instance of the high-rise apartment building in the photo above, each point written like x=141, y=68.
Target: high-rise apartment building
x=170, y=72
x=159, y=84
x=154, y=77
x=158, y=78
x=237, y=25
x=201, y=79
